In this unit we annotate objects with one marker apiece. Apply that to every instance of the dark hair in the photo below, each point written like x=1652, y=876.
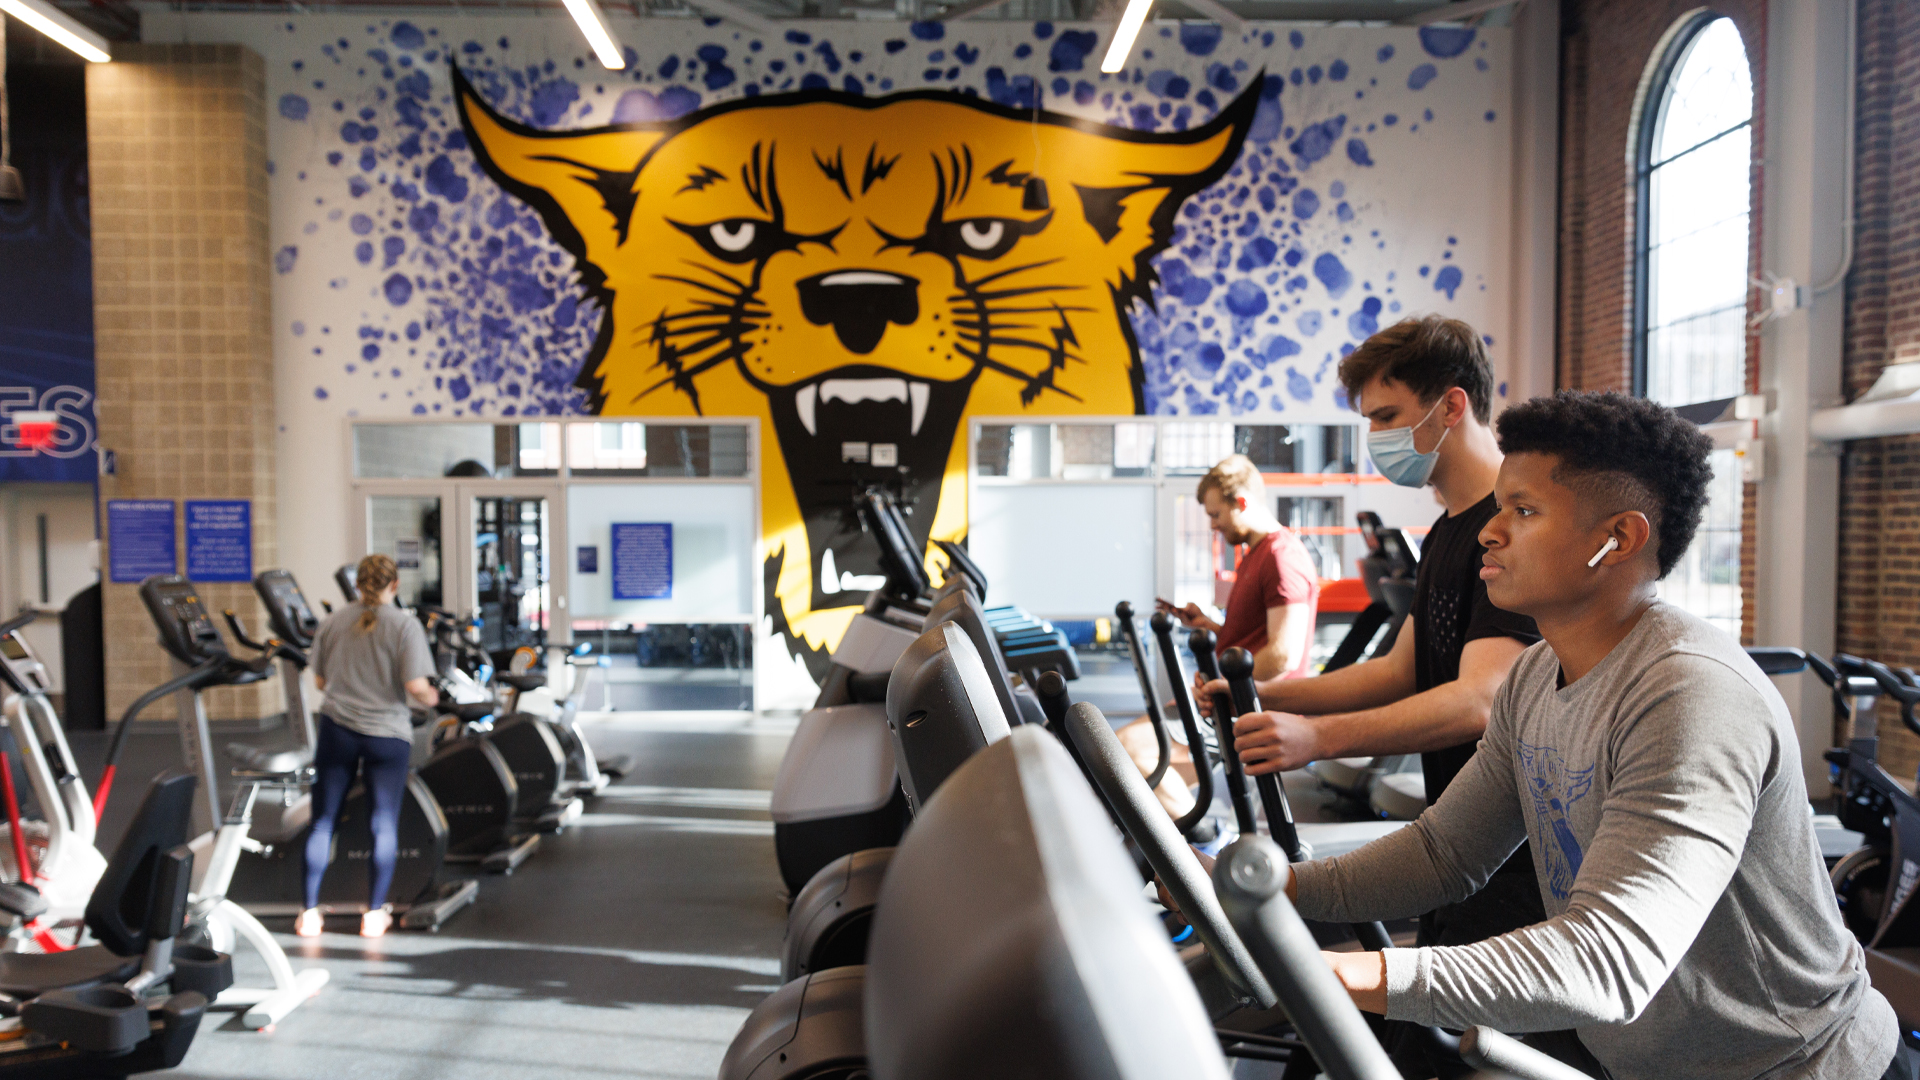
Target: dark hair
x=1429, y=356
x=1621, y=453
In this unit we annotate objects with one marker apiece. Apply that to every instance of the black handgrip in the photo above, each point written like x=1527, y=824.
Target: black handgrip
x=1201, y=642
x=170, y=880
x=18, y=621
x=1162, y=626
x=240, y=632
x=1123, y=611
x=1894, y=687
x=1051, y=689
x=1237, y=666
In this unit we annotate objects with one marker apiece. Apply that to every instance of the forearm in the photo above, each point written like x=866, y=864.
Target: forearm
x=1447, y=715
x=1361, y=686
x=1272, y=663
x=1395, y=877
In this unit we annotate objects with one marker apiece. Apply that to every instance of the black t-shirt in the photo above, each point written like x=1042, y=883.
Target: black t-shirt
x=1450, y=608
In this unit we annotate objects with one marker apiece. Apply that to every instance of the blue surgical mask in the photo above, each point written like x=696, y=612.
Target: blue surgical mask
x=1393, y=453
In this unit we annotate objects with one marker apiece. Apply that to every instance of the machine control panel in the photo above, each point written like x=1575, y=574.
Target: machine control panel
x=20, y=669
x=293, y=621
x=186, y=630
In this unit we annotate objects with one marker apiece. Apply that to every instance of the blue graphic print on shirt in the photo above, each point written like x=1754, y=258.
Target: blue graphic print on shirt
x=1555, y=788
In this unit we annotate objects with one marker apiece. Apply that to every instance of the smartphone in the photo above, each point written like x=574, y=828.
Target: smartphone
x=1166, y=603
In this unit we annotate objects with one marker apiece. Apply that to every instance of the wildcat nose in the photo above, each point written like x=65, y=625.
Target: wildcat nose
x=859, y=304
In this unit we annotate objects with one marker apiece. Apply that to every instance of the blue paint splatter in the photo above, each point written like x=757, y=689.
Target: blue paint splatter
x=1445, y=42
x=1447, y=280
x=640, y=105
x=1333, y=274
x=1069, y=52
x=1299, y=386
x=1199, y=39
x=1167, y=84
x=1337, y=71
x=1043, y=29
x=718, y=75
x=928, y=30
x=398, y=289
x=1246, y=299
x=1297, y=39
x=1316, y=141
x=1362, y=324
x=1305, y=203
x=293, y=106
x=1279, y=347
x=1308, y=323
x=363, y=252
x=1357, y=152
x=445, y=181
x=1257, y=252
x=407, y=36
x=1268, y=117
x=1421, y=76
x=284, y=258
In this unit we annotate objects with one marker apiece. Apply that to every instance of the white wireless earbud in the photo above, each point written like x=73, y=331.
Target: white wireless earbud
x=1602, y=553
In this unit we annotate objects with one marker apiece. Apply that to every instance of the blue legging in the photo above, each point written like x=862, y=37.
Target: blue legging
x=337, y=755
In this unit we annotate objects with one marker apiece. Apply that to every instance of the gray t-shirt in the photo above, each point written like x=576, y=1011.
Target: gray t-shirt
x=367, y=672
x=1691, y=929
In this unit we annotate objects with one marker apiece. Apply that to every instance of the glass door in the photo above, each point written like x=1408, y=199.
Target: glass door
x=509, y=536
x=409, y=528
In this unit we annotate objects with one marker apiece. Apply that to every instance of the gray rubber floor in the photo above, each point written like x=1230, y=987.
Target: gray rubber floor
x=631, y=945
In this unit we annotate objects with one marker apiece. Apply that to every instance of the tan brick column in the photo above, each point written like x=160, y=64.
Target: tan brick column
x=176, y=136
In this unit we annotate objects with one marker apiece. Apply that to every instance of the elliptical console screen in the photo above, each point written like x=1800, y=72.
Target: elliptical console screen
x=287, y=607
x=186, y=630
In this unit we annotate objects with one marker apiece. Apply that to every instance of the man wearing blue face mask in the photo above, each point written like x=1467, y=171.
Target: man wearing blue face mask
x=1426, y=389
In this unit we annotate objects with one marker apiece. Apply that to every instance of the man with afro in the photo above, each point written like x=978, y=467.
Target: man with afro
x=1691, y=930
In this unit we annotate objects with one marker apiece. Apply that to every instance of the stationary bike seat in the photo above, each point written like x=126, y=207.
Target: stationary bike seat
x=468, y=712
x=524, y=681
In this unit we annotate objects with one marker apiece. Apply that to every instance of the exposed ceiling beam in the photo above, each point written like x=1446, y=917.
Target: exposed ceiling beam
x=1460, y=9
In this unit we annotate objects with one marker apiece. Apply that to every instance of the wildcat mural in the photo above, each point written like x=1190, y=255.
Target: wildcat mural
x=859, y=269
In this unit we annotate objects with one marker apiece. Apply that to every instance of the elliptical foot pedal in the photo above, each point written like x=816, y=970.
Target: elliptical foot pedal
x=429, y=914
x=559, y=817
x=508, y=859
x=98, y=1019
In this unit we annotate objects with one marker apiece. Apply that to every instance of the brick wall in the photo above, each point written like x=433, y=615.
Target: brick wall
x=177, y=140
x=1606, y=48
x=1879, y=613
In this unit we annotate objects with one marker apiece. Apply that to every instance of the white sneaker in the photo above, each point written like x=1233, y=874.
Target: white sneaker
x=375, y=923
x=310, y=923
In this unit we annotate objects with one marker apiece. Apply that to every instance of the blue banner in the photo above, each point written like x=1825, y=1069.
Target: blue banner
x=140, y=539
x=220, y=540
x=642, y=560
x=46, y=277
x=589, y=559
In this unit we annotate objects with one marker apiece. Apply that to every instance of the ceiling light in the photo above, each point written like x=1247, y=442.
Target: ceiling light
x=1129, y=28
x=59, y=26
x=593, y=24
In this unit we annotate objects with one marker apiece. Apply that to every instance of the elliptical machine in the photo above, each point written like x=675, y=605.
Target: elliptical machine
x=243, y=875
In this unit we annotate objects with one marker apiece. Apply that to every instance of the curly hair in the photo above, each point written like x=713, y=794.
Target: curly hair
x=1620, y=453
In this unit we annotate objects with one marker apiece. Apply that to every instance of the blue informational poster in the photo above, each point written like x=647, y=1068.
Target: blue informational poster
x=589, y=559
x=140, y=539
x=643, y=560
x=219, y=540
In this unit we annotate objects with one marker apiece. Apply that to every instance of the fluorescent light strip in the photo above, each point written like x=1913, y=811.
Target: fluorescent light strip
x=592, y=24
x=59, y=26
x=1123, y=35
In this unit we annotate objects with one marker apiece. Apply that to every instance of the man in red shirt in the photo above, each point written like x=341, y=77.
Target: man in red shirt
x=1270, y=611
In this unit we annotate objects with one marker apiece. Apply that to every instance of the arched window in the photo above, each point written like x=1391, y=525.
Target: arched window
x=1693, y=163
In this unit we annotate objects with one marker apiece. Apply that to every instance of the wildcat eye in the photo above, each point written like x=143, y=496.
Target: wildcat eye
x=982, y=235
x=734, y=235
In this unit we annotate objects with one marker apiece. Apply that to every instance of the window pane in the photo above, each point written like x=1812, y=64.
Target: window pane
x=418, y=451
x=1707, y=186
x=1699, y=359
x=1711, y=90
x=1195, y=446
x=1706, y=581
x=625, y=448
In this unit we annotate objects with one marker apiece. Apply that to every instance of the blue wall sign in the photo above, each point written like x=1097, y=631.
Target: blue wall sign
x=140, y=539
x=219, y=540
x=589, y=558
x=643, y=560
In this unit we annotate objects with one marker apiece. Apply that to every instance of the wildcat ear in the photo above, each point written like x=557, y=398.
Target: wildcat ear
x=583, y=183
x=1130, y=184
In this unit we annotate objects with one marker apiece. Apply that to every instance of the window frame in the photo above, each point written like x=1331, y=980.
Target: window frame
x=1679, y=42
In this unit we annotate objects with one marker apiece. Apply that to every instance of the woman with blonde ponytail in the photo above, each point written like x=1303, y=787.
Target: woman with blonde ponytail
x=373, y=661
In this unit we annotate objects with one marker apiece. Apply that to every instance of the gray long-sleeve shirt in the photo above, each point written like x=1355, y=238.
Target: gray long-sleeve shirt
x=1691, y=928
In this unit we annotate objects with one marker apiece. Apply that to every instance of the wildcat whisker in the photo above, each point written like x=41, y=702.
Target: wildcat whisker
x=997, y=275
x=992, y=310
x=1006, y=294
x=737, y=298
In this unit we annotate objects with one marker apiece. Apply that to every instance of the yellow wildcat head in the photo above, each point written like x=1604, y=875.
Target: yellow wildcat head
x=859, y=273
